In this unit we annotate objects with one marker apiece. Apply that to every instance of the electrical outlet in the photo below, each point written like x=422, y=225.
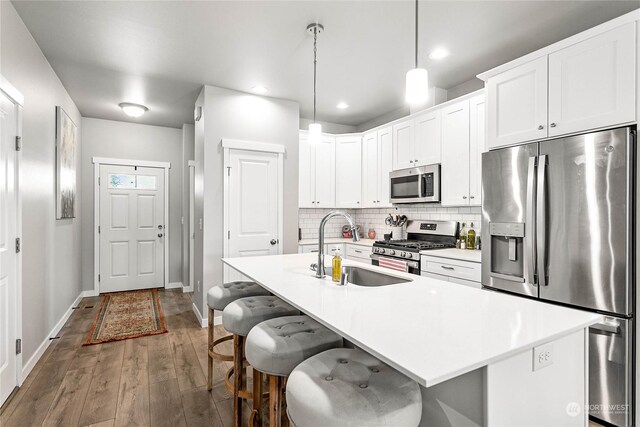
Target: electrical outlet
x=542, y=356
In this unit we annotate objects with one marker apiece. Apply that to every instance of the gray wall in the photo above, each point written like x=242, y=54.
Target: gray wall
x=51, y=249
x=237, y=115
x=385, y=118
x=188, y=148
x=465, y=88
x=106, y=138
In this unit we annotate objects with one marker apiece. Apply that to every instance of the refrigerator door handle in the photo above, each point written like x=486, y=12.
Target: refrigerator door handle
x=541, y=220
x=530, y=230
x=609, y=325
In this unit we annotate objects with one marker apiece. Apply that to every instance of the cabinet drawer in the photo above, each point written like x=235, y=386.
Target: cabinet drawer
x=452, y=268
x=356, y=251
x=305, y=249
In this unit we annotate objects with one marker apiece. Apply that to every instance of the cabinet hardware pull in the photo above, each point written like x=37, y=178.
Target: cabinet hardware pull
x=540, y=127
x=472, y=197
x=464, y=197
x=552, y=125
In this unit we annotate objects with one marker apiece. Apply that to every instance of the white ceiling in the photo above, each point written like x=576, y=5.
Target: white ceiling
x=160, y=53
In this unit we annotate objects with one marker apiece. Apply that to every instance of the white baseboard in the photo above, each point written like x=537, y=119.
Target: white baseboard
x=173, y=285
x=28, y=367
x=91, y=293
x=187, y=289
x=203, y=320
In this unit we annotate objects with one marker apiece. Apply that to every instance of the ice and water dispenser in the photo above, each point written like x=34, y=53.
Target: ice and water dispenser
x=507, y=250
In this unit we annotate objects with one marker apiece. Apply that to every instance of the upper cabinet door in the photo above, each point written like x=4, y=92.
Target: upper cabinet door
x=517, y=104
x=370, y=170
x=427, y=138
x=385, y=165
x=592, y=83
x=403, y=145
x=325, y=165
x=454, y=172
x=348, y=171
x=307, y=174
x=476, y=147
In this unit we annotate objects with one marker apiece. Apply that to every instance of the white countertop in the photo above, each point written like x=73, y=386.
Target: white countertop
x=427, y=329
x=333, y=240
x=459, y=254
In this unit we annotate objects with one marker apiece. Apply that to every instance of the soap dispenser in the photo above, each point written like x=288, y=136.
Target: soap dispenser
x=336, y=266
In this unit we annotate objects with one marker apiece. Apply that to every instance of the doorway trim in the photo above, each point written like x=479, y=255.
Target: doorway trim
x=97, y=162
x=191, y=227
x=18, y=99
x=265, y=147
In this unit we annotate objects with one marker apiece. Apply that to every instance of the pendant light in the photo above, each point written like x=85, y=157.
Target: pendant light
x=417, y=85
x=315, y=128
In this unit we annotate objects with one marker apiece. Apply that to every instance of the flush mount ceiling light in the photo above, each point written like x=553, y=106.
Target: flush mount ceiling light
x=315, y=129
x=417, y=83
x=342, y=105
x=439, y=53
x=260, y=90
x=133, y=110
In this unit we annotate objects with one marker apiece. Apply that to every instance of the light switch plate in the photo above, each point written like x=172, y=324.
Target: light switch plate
x=542, y=356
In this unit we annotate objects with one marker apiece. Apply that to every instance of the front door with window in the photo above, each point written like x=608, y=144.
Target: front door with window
x=132, y=228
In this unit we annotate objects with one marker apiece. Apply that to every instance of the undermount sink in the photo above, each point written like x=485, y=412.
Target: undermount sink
x=363, y=277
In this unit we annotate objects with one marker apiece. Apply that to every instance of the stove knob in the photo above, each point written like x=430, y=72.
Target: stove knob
x=403, y=254
x=392, y=252
x=381, y=251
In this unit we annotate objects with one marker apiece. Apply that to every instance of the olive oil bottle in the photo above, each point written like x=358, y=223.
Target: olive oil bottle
x=336, y=266
x=471, y=237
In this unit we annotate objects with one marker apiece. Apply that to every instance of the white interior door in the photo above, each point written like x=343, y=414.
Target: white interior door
x=192, y=224
x=253, y=205
x=8, y=256
x=132, y=228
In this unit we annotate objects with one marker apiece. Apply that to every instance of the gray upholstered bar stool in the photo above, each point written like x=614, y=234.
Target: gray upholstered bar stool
x=218, y=298
x=348, y=387
x=275, y=347
x=238, y=318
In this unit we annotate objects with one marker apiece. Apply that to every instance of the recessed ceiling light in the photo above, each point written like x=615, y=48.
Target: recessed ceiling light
x=439, y=53
x=260, y=90
x=133, y=110
x=342, y=105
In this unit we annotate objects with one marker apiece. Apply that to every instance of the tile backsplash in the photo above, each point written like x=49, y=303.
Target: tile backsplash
x=309, y=219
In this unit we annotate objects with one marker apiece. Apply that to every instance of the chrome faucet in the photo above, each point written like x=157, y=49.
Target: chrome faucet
x=320, y=272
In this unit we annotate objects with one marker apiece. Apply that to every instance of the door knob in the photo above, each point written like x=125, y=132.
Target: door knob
x=160, y=234
x=273, y=241
x=160, y=227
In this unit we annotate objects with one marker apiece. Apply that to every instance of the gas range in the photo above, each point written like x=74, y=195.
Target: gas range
x=421, y=236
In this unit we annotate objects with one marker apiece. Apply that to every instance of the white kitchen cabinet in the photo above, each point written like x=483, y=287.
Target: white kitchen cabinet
x=358, y=253
x=592, y=83
x=349, y=171
x=427, y=138
x=452, y=270
x=377, y=156
x=370, y=172
x=403, y=145
x=476, y=147
x=316, y=172
x=517, y=104
x=385, y=165
x=454, y=172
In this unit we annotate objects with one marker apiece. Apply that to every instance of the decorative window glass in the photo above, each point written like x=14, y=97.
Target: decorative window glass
x=146, y=182
x=122, y=181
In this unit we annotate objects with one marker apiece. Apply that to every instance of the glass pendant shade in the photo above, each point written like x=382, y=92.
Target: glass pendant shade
x=315, y=133
x=417, y=87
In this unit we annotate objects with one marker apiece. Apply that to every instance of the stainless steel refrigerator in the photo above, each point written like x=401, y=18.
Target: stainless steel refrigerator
x=558, y=225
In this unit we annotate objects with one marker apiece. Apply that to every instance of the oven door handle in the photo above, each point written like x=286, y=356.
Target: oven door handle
x=410, y=264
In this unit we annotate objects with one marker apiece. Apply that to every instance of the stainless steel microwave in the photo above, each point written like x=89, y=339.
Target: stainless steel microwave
x=415, y=185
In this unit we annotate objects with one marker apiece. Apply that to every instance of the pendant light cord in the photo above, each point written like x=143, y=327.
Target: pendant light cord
x=315, y=61
x=416, y=56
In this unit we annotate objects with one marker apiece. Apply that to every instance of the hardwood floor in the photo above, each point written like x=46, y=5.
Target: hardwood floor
x=150, y=381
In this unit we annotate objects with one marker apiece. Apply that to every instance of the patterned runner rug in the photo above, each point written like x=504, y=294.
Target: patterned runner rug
x=126, y=315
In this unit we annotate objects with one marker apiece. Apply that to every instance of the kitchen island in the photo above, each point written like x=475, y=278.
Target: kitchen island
x=482, y=358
